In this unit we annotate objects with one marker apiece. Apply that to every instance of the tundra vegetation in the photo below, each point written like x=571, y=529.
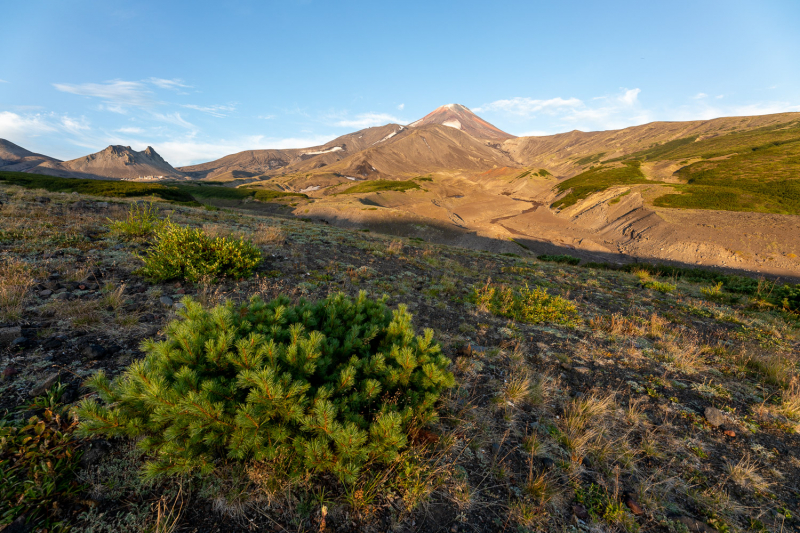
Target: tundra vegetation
x=351, y=381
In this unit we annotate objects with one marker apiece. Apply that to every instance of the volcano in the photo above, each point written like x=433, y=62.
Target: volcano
x=459, y=117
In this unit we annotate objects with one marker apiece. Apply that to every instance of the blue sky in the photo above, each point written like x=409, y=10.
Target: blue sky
x=198, y=81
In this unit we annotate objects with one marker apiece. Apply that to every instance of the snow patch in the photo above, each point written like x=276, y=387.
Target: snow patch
x=312, y=188
x=388, y=136
x=453, y=123
x=329, y=150
x=351, y=178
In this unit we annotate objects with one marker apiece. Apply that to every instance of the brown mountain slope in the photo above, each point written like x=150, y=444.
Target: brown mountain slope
x=15, y=158
x=459, y=117
x=421, y=150
x=568, y=153
x=274, y=162
x=120, y=162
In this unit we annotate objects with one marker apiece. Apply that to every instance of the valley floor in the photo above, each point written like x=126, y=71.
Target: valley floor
x=666, y=406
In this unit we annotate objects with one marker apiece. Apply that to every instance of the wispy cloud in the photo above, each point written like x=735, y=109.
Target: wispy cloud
x=400, y=107
x=601, y=112
x=117, y=95
x=524, y=107
x=190, y=151
x=174, y=84
x=129, y=129
x=17, y=128
x=213, y=110
x=4, y=81
x=266, y=117
x=367, y=120
x=700, y=96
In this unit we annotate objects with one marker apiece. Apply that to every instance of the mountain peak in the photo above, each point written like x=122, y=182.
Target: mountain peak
x=461, y=118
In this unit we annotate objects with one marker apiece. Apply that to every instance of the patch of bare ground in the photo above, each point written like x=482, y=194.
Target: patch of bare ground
x=654, y=411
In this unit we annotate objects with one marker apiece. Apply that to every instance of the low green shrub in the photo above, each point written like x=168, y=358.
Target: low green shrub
x=326, y=387
x=381, y=186
x=525, y=305
x=118, y=189
x=38, y=460
x=142, y=222
x=186, y=253
x=566, y=259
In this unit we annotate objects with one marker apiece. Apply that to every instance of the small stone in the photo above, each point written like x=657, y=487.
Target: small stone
x=53, y=343
x=94, y=352
x=580, y=511
x=544, y=463
x=43, y=199
x=166, y=301
x=62, y=295
x=582, y=370
x=729, y=433
x=54, y=276
x=715, y=417
x=19, y=342
x=695, y=526
x=633, y=506
x=146, y=318
x=45, y=293
x=180, y=291
x=9, y=334
x=41, y=387
x=97, y=450
x=20, y=525
x=179, y=306
x=9, y=372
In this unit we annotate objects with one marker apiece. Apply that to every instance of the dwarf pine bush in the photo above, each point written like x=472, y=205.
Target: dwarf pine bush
x=323, y=387
x=186, y=253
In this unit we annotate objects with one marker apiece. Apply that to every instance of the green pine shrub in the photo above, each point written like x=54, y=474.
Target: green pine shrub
x=525, y=305
x=186, y=253
x=321, y=387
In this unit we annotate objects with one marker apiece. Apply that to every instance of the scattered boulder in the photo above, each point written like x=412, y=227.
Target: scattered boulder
x=94, y=351
x=20, y=343
x=580, y=511
x=52, y=343
x=41, y=387
x=715, y=417
x=42, y=199
x=166, y=301
x=96, y=450
x=9, y=334
x=45, y=293
x=630, y=500
x=693, y=525
x=19, y=525
x=582, y=370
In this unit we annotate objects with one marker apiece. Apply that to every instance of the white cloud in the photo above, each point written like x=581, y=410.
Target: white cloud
x=213, y=110
x=700, y=96
x=367, y=120
x=266, y=117
x=130, y=129
x=174, y=84
x=173, y=118
x=630, y=97
x=401, y=107
x=3, y=81
x=191, y=151
x=116, y=94
x=719, y=96
x=528, y=106
x=17, y=128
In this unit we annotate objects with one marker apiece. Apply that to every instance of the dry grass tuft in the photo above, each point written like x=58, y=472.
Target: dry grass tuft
x=615, y=324
x=745, y=474
x=265, y=235
x=15, y=282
